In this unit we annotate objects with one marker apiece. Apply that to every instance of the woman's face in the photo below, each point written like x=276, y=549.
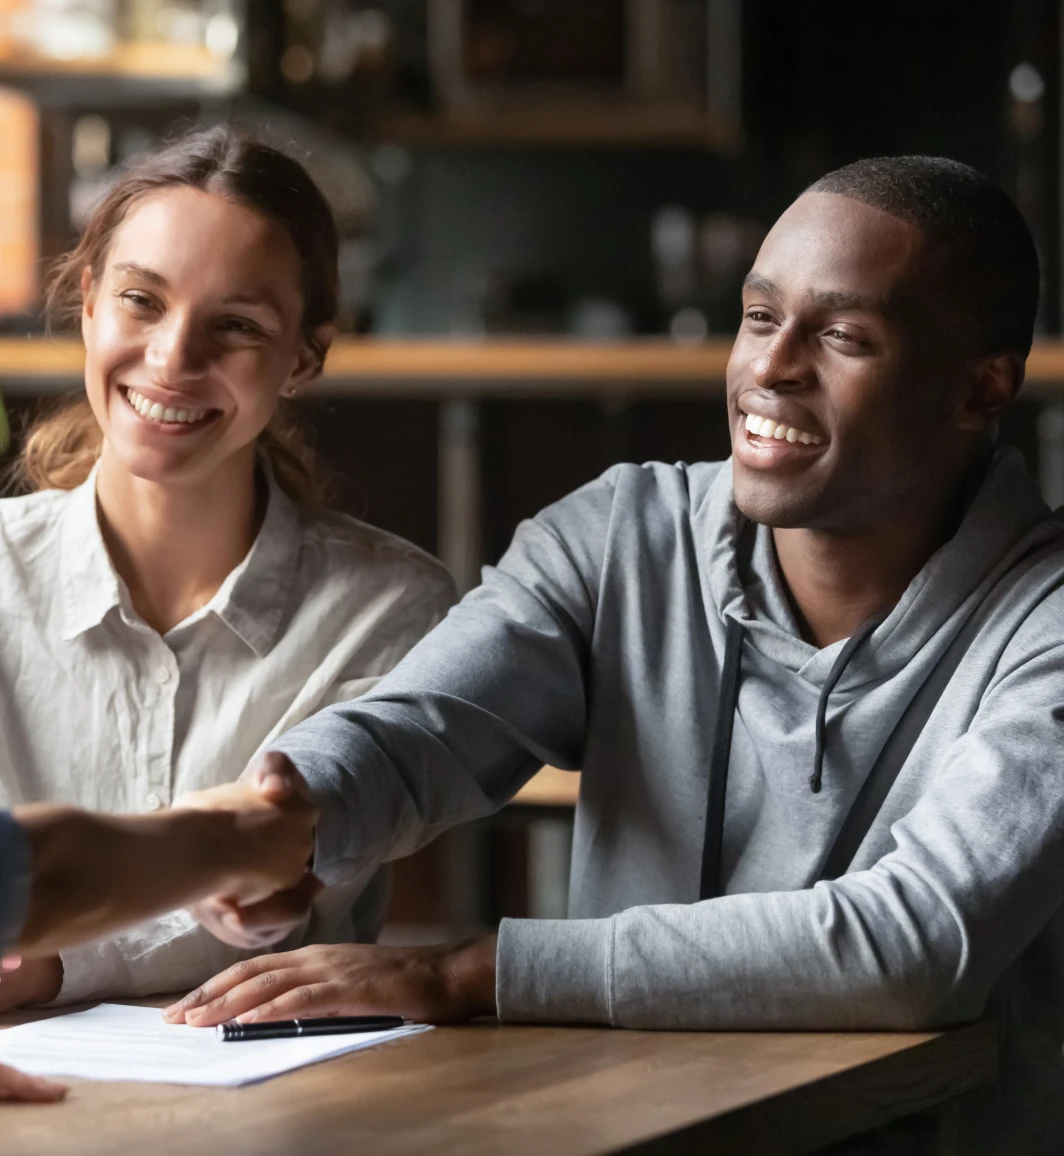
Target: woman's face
x=192, y=332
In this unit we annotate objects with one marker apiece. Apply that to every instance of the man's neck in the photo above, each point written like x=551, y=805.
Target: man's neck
x=836, y=581
x=174, y=545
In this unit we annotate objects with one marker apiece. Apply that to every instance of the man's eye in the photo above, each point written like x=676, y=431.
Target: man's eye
x=839, y=335
x=758, y=316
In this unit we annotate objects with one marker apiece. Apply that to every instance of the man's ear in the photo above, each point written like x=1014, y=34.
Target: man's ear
x=310, y=360
x=993, y=385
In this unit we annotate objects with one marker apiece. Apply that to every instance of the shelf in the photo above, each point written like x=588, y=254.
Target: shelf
x=165, y=67
x=550, y=788
x=492, y=368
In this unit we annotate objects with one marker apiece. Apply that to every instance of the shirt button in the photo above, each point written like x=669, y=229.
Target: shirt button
x=152, y=802
x=162, y=674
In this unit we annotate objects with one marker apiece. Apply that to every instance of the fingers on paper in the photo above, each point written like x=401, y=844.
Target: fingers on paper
x=217, y=989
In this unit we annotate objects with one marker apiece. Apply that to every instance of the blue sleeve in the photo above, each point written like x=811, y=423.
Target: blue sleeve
x=14, y=879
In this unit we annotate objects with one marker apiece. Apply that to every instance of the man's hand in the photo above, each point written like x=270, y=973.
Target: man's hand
x=257, y=921
x=28, y=1089
x=258, y=925
x=274, y=828
x=29, y=982
x=427, y=984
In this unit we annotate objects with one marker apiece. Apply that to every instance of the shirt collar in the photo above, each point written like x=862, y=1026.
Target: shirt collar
x=251, y=601
x=89, y=583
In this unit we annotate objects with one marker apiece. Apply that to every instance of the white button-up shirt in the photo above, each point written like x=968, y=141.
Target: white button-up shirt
x=97, y=709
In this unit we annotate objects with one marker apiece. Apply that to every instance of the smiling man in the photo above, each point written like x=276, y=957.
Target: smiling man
x=817, y=691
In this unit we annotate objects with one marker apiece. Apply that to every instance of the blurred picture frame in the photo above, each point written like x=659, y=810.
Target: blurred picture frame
x=521, y=58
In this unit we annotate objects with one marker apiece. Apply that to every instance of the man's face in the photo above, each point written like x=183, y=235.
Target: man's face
x=846, y=373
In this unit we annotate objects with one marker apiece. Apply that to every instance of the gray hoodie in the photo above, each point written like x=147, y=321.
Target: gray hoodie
x=921, y=762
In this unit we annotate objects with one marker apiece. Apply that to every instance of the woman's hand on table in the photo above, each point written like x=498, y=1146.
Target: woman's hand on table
x=426, y=984
x=17, y=1086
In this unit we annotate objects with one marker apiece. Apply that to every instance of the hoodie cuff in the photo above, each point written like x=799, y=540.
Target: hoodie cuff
x=554, y=970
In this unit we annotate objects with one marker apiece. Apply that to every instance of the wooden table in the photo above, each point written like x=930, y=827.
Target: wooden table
x=487, y=1089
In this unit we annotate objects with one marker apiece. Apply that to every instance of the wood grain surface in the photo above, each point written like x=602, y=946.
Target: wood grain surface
x=489, y=1089
x=498, y=367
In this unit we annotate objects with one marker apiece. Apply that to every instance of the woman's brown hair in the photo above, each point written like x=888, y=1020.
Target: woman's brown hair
x=64, y=442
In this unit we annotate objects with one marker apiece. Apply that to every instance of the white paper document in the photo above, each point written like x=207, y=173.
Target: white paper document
x=115, y=1042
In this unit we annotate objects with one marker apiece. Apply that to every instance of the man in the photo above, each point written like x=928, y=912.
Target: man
x=817, y=692
x=68, y=875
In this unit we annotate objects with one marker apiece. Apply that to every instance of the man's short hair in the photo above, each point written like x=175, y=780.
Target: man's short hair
x=989, y=253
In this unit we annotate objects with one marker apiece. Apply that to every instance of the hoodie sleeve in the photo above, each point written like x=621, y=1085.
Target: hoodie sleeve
x=456, y=729
x=915, y=941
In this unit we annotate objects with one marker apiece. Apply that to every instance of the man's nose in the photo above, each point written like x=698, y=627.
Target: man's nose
x=782, y=362
x=175, y=353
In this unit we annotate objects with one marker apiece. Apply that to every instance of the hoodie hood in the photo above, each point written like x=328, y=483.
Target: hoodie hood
x=1005, y=519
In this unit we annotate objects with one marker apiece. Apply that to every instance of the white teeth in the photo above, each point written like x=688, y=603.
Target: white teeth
x=153, y=411
x=767, y=428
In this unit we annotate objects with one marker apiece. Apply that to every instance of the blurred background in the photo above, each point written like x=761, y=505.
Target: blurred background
x=547, y=207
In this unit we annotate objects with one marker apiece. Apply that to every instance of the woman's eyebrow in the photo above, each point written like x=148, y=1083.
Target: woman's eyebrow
x=141, y=271
x=265, y=297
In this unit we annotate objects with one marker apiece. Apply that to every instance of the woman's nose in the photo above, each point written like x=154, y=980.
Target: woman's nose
x=174, y=354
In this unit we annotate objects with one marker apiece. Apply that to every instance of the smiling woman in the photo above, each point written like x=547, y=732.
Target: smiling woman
x=206, y=600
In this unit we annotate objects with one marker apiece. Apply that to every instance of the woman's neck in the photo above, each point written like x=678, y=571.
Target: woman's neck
x=174, y=546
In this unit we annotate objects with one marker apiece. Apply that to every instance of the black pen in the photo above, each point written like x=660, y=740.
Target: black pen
x=292, y=1029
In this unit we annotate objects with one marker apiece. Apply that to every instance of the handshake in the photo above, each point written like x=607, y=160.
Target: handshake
x=237, y=855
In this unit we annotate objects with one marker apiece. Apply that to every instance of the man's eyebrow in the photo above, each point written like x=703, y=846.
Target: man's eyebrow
x=141, y=271
x=836, y=300
x=828, y=299
x=758, y=283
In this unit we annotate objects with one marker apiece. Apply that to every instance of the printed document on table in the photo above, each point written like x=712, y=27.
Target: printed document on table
x=115, y=1042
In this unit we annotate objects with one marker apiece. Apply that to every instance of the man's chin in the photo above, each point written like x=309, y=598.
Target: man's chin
x=777, y=504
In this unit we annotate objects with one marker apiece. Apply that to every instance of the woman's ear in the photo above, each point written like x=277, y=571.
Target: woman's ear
x=88, y=297
x=311, y=358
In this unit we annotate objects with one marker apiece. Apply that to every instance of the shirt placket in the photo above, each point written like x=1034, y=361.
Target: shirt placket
x=159, y=688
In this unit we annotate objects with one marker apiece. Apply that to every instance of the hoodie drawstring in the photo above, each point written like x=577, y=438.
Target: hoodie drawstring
x=727, y=702
x=816, y=779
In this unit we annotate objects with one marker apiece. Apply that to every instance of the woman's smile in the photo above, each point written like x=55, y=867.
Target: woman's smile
x=171, y=418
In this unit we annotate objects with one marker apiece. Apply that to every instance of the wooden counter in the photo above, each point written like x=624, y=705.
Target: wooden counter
x=499, y=368
x=482, y=1090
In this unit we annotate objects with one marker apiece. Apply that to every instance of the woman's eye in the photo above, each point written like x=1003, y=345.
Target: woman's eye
x=758, y=316
x=136, y=299
x=240, y=325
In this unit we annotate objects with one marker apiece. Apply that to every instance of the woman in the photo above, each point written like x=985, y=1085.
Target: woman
x=175, y=595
